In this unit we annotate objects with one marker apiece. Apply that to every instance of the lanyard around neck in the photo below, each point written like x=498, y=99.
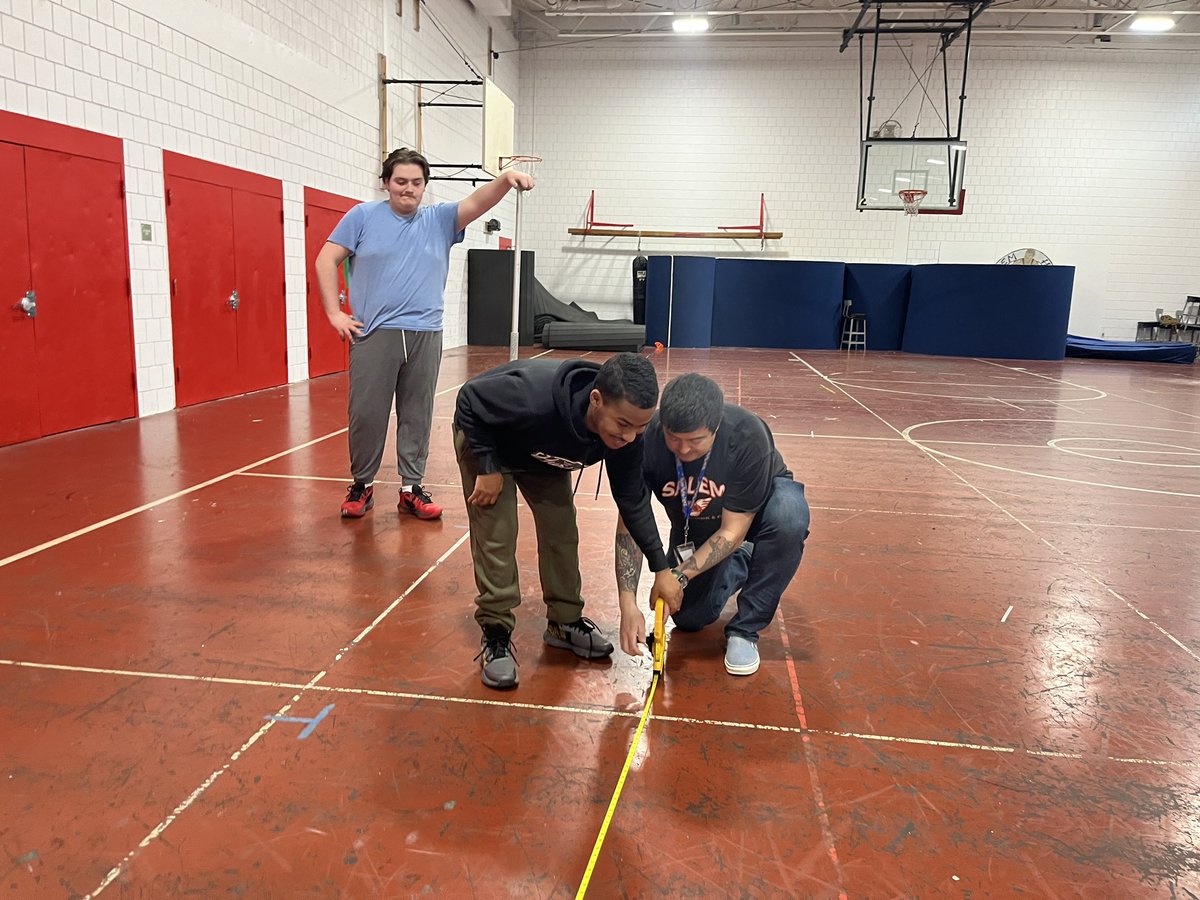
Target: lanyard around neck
x=686, y=503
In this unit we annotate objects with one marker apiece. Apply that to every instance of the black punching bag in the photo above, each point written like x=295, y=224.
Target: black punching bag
x=639, y=290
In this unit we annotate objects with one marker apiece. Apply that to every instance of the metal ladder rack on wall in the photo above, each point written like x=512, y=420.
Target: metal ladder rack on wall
x=593, y=228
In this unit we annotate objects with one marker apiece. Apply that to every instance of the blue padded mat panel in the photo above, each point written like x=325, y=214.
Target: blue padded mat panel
x=1138, y=351
x=996, y=312
x=692, y=304
x=658, y=298
x=778, y=303
x=880, y=291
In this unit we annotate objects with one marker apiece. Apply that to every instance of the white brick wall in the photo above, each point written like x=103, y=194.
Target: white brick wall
x=1092, y=156
x=284, y=90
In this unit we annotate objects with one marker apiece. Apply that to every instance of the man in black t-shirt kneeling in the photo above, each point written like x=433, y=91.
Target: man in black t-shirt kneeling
x=738, y=519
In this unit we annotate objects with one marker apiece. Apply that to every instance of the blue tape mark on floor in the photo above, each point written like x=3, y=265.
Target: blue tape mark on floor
x=310, y=723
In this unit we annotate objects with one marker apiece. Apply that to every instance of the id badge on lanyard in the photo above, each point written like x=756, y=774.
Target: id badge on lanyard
x=687, y=549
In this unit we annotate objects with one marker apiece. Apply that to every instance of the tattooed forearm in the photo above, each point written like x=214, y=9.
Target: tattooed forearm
x=629, y=563
x=715, y=549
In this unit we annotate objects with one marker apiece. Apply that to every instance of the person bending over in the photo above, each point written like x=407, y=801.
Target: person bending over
x=738, y=519
x=526, y=426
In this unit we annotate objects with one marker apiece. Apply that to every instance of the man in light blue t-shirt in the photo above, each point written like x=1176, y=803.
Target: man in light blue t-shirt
x=399, y=258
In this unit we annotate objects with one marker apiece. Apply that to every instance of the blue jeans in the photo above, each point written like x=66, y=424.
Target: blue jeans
x=761, y=568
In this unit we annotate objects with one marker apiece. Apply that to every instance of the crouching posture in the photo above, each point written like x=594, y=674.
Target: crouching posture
x=738, y=520
x=525, y=426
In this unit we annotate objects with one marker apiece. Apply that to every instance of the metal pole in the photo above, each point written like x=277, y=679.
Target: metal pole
x=514, y=337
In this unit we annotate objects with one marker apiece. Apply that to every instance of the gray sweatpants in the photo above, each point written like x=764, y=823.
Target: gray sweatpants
x=392, y=365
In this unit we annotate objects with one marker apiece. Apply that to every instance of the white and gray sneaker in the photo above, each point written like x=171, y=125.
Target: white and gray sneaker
x=582, y=638
x=498, y=665
x=741, y=656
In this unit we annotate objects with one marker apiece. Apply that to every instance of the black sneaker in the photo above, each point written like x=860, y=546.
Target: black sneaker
x=582, y=638
x=498, y=665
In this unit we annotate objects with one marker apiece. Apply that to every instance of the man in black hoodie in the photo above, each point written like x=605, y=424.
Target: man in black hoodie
x=526, y=425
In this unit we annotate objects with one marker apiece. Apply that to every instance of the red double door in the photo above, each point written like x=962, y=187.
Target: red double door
x=66, y=323
x=228, y=297
x=327, y=353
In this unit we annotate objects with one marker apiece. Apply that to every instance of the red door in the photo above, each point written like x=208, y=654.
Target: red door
x=79, y=261
x=203, y=282
x=327, y=353
x=19, y=417
x=262, y=298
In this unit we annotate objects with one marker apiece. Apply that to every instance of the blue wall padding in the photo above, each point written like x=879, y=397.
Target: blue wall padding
x=658, y=298
x=1144, y=351
x=997, y=312
x=692, y=302
x=777, y=303
x=881, y=292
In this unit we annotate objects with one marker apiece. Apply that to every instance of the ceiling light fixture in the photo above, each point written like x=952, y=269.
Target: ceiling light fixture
x=1152, y=24
x=691, y=25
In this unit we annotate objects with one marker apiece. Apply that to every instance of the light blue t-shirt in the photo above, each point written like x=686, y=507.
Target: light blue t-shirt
x=398, y=264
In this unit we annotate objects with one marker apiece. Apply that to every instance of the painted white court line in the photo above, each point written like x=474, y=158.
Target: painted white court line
x=839, y=437
x=24, y=554
x=1023, y=371
x=924, y=445
x=342, y=480
x=312, y=683
x=975, y=517
x=1129, y=527
x=16, y=557
x=1006, y=403
x=601, y=712
x=1067, y=558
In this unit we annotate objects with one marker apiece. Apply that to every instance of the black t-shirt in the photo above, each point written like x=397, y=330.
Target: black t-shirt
x=739, y=476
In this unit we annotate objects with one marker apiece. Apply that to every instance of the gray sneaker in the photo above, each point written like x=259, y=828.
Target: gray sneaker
x=741, y=656
x=498, y=665
x=582, y=638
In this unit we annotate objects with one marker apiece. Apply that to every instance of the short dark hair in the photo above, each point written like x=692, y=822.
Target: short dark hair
x=691, y=402
x=628, y=376
x=403, y=157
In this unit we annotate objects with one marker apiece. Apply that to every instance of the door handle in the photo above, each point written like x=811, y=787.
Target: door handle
x=234, y=302
x=28, y=304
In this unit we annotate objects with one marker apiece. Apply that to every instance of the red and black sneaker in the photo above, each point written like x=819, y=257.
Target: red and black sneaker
x=417, y=501
x=358, y=500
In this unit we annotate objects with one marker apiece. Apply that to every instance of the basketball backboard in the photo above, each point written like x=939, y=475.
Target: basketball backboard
x=499, y=116
x=891, y=165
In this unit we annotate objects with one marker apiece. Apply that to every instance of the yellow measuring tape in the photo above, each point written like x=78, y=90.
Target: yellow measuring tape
x=660, y=645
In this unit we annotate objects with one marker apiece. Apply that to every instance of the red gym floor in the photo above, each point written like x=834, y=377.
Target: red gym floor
x=985, y=681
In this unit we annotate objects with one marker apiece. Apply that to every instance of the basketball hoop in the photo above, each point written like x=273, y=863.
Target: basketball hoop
x=912, y=201
x=520, y=163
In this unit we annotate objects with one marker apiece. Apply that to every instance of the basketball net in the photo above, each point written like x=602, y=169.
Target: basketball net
x=912, y=201
x=522, y=163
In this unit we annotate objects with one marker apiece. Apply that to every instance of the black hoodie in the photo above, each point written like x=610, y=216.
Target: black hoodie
x=531, y=413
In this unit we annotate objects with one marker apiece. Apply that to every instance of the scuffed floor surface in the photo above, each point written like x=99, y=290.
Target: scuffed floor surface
x=985, y=681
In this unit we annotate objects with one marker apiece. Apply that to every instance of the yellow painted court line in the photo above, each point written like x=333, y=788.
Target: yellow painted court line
x=612, y=804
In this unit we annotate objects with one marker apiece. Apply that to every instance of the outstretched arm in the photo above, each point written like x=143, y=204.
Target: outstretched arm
x=484, y=198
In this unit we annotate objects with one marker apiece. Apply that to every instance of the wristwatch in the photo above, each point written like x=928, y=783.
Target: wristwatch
x=680, y=577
